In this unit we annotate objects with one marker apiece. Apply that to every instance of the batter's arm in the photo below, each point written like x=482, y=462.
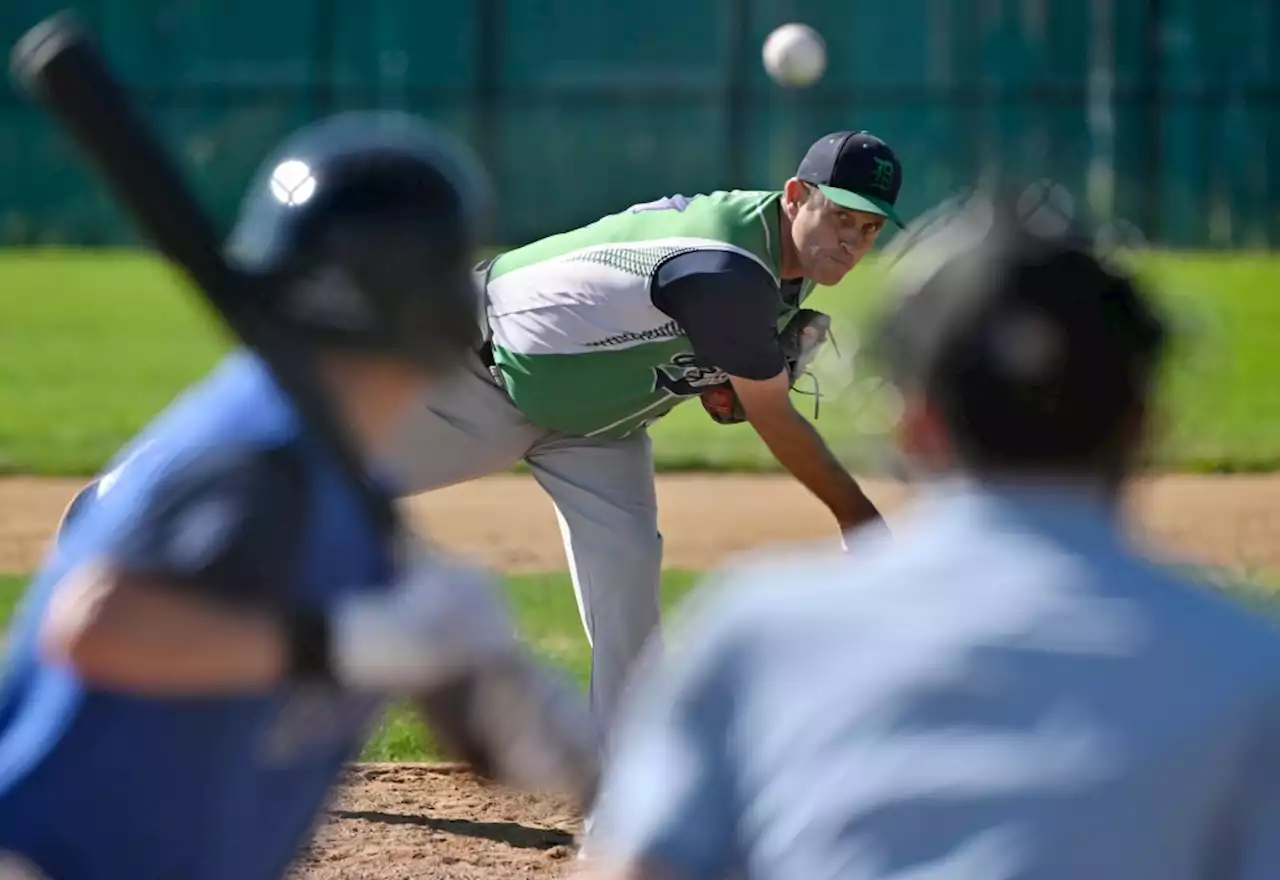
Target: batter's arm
x=143, y=636
x=798, y=447
x=175, y=600
x=156, y=636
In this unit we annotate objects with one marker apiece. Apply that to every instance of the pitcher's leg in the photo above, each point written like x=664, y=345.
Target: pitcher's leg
x=606, y=504
x=465, y=428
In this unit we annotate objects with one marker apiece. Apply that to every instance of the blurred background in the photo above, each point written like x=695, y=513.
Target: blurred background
x=1158, y=111
x=1157, y=119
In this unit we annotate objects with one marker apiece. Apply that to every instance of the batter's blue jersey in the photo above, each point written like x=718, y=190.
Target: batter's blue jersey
x=224, y=494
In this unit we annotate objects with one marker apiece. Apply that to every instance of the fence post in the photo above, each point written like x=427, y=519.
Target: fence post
x=735, y=93
x=966, y=87
x=1271, y=93
x=1153, y=120
x=322, y=58
x=1101, y=175
x=486, y=87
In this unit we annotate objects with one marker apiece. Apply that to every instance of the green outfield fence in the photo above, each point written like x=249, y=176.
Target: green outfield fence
x=1160, y=112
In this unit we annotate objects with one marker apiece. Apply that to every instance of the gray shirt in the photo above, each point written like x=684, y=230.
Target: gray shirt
x=1002, y=689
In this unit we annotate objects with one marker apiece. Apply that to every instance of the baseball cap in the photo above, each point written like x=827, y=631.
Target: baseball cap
x=856, y=170
x=1031, y=347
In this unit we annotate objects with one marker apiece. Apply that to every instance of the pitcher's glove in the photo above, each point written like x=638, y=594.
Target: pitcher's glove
x=801, y=339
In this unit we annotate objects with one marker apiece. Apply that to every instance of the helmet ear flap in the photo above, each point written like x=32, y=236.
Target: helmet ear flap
x=384, y=286
x=421, y=286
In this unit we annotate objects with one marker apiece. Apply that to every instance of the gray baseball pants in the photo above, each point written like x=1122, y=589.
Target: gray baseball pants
x=602, y=491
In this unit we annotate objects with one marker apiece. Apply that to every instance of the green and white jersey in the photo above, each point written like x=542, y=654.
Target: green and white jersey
x=576, y=337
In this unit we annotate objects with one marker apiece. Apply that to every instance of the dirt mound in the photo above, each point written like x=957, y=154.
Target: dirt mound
x=413, y=820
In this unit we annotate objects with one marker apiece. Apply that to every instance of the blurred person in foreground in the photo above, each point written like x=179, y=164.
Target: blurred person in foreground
x=222, y=620
x=1004, y=689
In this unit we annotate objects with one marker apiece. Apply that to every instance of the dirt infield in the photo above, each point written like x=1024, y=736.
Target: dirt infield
x=508, y=522
x=413, y=821
x=416, y=821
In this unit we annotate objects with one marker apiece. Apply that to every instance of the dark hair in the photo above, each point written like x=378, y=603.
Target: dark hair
x=1078, y=417
x=1037, y=355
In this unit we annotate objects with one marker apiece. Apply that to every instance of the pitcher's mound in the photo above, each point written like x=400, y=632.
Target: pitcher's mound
x=416, y=821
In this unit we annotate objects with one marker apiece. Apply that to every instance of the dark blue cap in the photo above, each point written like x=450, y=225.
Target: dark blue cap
x=856, y=170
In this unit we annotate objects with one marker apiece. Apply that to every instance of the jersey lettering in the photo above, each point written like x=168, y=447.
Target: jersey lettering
x=682, y=376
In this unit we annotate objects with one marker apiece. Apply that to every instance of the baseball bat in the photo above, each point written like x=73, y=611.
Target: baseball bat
x=58, y=64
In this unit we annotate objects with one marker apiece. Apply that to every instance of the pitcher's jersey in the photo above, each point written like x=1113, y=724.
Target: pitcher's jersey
x=227, y=494
x=579, y=343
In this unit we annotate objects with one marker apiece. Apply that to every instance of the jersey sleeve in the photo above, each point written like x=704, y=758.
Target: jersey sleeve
x=227, y=523
x=78, y=507
x=727, y=304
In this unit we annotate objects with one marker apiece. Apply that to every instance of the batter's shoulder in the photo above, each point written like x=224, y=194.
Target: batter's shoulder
x=229, y=520
x=78, y=507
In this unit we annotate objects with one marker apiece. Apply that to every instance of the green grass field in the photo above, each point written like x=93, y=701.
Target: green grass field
x=545, y=609
x=93, y=344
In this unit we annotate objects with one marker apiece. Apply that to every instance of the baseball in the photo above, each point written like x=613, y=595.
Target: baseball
x=795, y=55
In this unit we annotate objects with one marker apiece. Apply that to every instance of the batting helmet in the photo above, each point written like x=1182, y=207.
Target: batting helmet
x=365, y=225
